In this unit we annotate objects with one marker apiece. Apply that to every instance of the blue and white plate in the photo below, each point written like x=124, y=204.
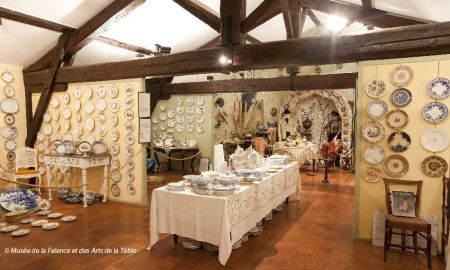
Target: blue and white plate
x=401, y=97
x=439, y=88
x=399, y=141
x=376, y=109
x=18, y=199
x=435, y=112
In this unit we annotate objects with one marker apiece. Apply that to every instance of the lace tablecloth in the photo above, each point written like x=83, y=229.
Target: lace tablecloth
x=220, y=220
x=301, y=154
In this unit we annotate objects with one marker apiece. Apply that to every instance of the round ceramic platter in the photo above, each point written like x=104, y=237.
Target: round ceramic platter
x=170, y=114
x=129, y=90
x=435, y=112
x=20, y=232
x=128, y=114
x=54, y=215
x=99, y=148
x=88, y=93
x=9, y=228
x=401, y=76
x=38, y=223
x=396, y=166
x=129, y=126
x=401, y=97
x=113, y=106
x=89, y=107
x=162, y=107
x=9, y=106
x=130, y=164
x=374, y=154
x=130, y=176
x=435, y=140
x=439, y=88
x=129, y=150
x=373, y=132
x=376, y=109
x=397, y=119
x=434, y=166
x=69, y=218
x=66, y=98
x=200, y=128
x=10, y=119
x=10, y=145
x=101, y=118
x=115, y=190
x=180, y=128
x=114, y=134
x=9, y=91
x=179, y=101
x=115, y=163
x=372, y=174
x=54, y=102
x=129, y=102
x=180, y=110
x=113, y=91
x=84, y=147
x=101, y=105
x=200, y=100
x=114, y=148
x=50, y=226
x=114, y=119
x=116, y=176
x=66, y=113
x=131, y=189
x=7, y=77
x=89, y=123
x=9, y=132
x=399, y=141
x=130, y=139
x=77, y=93
x=190, y=101
x=101, y=91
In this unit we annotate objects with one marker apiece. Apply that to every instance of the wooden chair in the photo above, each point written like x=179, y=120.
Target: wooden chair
x=26, y=166
x=417, y=225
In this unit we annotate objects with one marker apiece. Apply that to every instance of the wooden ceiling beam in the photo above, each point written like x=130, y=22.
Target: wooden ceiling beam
x=123, y=45
x=232, y=12
x=31, y=20
x=369, y=16
x=329, y=81
x=200, y=13
x=416, y=40
x=287, y=18
x=313, y=17
x=252, y=39
x=264, y=12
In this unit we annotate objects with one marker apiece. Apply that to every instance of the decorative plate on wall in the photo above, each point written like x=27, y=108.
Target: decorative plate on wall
x=129, y=89
x=88, y=93
x=200, y=109
x=129, y=102
x=113, y=91
x=189, y=110
x=180, y=128
x=114, y=120
x=66, y=98
x=401, y=97
x=130, y=164
x=435, y=112
x=10, y=156
x=374, y=154
x=373, y=132
x=170, y=114
x=128, y=114
x=9, y=132
x=180, y=119
x=100, y=104
x=200, y=100
x=439, y=88
x=10, y=119
x=9, y=91
x=189, y=119
x=162, y=126
x=179, y=101
x=401, y=76
x=101, y=118
x=129, y=126
x=56, y=115
x=190, y=128
x=130, y=139
x=114, y=148
x=77, y=93
x=114, y=134
x=399, y=141
x=396, y=166
x=101, y=91
x=130, y=176
x=170, y=123
x=376, y=109
x=180, y=110
x=89, y=123
x=66, y=113
x=9, y=106
x=10, y=145
x=375, y=88
x=115, y=163
x=162, y=107
x=90, y=138
x=162, y=116
x=56, y=126
x=397, y=119
x=435, y=140
x=434, y=166
x=47, y=129
x=190, y=101
x=101, y=130
x=372, y=174
x=129, y=150
x=47, y=117
x=131, y=189
x=7, y=77
x=89, y=107
x=200, y=119
x=115, y=190
x=40, y=147
x=200, y=128
x=67, y=124
x=77, y=105
x=116, y=176
x=113, y=106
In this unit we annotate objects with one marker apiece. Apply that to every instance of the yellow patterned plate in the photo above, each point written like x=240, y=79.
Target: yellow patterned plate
x=396, y=166
x=373, y=175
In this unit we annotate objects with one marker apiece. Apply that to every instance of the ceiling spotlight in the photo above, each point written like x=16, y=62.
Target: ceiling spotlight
x=336, y=23
x=223, y=60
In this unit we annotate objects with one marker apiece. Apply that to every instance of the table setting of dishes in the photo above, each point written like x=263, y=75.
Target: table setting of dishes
x=221, y=209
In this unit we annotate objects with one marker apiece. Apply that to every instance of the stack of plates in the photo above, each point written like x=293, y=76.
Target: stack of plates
x=224, y=190
x=205, y=190
x=178, y=186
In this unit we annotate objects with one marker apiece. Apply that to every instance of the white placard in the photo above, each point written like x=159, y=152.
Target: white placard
x=144, y=104
x=145, y=125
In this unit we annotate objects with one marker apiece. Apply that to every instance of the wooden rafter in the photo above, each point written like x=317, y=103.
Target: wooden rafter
x=31, y=20
x=44, y=99
x=123, y=45
x=264, y=12
x=313, y=17
x=369, y=16
x=252, y=39
x=287, y=18
x=96, y=26
x=200, y=13
x=330, y=81
x=232, y=12
x=416, y=40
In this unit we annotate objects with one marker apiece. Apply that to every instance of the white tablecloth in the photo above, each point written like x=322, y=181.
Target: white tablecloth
x=301, y=154
x=220, y=220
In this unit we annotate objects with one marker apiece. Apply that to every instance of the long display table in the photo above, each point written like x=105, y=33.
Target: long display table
x=217, y=219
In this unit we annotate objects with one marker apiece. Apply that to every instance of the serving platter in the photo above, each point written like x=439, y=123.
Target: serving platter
x=7, y=77
x=435, y=112
x=376, y=109
x=397, y=119
x=374, y=154
x=439, y=88
x=396, y=166
x=9, y=106
x=434, y=166
x=372, y=174
x=435, y=140
x=373, y=131
x=9, y=91
x=99, y=148
x=401, y=97
x=401, y=76
x=399, y=141
x=18, y=199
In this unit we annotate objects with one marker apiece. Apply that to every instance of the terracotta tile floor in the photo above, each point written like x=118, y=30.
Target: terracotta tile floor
x=315, y=233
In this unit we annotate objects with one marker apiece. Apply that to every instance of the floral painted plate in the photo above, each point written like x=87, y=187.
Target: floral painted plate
x=434, y=166
x=401, y=76
x=373, y=175
x=375, y=88
x=439, y=88
x=376, y=109
x=374, y=154
x=373, y=132
x=435, y=112
x=396, y=166
x=399, y=141
x=397, y=119
x=18, y=199
x=401, y=97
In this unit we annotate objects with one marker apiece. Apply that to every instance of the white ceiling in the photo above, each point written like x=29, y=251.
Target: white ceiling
x=157, y=21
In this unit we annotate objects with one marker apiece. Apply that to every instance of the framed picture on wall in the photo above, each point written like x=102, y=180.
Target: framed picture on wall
x=144, y=105
x=403, y=204
x=145, y=125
